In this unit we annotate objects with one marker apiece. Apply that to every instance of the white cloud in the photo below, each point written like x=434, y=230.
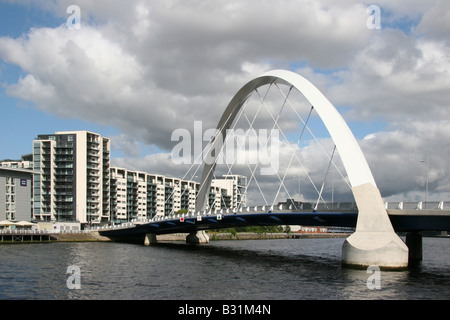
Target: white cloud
x=395, y=158
x=148, y=68
x=408, y=81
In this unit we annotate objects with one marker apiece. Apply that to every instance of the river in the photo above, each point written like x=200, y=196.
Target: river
x=285, y=269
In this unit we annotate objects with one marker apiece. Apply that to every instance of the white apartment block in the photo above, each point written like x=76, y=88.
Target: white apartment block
x=136, y=194
x=118, y=193
x=236, y=189
x=73, y=184
x=25, y=163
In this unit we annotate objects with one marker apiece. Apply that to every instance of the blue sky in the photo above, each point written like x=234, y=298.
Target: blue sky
x=21, y=121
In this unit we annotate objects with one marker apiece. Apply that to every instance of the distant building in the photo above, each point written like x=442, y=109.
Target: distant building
x=15, y=194
x=236, y=189
x=132, y=196
x=308, y=229
x=136, y=194
x=292, y=204
x=25, y=163
x=73, y=184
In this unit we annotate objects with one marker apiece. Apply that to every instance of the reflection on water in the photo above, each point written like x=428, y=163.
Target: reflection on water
x=250, y=269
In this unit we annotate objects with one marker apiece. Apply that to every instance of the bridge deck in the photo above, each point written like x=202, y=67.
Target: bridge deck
x=402, y=220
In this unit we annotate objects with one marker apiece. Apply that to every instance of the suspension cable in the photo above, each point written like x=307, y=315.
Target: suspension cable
x=325, y=178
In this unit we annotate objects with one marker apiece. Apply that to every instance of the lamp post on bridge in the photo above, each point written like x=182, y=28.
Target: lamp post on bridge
x=427, y=161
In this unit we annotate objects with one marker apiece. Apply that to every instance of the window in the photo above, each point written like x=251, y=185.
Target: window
x=10, y=198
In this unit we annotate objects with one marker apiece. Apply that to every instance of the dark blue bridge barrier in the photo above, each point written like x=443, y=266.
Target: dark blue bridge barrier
x=402, y=221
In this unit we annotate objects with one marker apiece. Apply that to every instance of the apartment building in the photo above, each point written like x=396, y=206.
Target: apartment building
x=136, y=194
x=25, y=163
x=128, y=194
x=73, y=184
x=15, y=194
x=236, y=189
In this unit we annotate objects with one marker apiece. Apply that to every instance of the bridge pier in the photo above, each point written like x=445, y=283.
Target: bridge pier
x=364, y=249
x=150, y=238
x=197, y=237
x=374, y=241
x=414, y=243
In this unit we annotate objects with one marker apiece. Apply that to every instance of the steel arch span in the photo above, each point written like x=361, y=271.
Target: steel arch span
x=374, y=241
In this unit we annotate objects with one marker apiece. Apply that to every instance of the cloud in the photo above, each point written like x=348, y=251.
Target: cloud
x=408, y=81
x=402, y=159
x=148, y=68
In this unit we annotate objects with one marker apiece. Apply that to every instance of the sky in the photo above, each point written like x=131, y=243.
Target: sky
x=135, y=71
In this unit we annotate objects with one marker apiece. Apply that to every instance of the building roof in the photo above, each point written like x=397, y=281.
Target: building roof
x=29, y=171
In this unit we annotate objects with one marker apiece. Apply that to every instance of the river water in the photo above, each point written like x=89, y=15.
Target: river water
x=286, y=269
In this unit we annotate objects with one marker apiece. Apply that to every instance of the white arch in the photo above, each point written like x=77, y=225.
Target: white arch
x=352, y=157
x=372, y=216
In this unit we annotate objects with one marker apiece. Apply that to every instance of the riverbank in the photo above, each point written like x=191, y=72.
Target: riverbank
x=213, y=236
x=92, y=236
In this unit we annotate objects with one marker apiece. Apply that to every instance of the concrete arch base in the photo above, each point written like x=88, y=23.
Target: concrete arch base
x=382, y=249
x=374, y=242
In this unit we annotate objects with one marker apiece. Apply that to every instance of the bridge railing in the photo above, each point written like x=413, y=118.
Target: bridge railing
x=421, y=205
x=338, y=206
x=24, y=231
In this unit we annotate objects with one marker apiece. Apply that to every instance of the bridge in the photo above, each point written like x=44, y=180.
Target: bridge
x=406, y=217
x=374, y=241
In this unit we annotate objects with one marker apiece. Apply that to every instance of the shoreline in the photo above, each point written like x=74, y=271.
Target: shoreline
x=213, y=236
x=94, y=236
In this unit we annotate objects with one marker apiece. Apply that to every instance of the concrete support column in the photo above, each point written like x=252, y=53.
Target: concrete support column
x=150, y=239
x=374, y=241
x=197, y=237
x=414, y=243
